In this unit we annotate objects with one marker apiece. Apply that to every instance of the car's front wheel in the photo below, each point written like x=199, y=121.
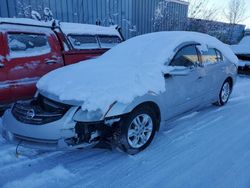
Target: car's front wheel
x=136, y=132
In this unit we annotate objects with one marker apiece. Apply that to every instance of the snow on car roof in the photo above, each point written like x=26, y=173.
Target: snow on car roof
x=129, y=70
x=67, y=28
x=243, y=47
x=26, y=21
x=76, y=28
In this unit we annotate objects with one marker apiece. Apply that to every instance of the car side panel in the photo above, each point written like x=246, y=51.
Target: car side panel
x=24, y=72
x=75, y=56
x=183, y=93
x=120, y=109
x=4, y=86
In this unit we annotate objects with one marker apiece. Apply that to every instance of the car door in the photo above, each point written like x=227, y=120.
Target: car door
x=31, y=54
x=4, y=84
x=213, y=65
x=184, y=90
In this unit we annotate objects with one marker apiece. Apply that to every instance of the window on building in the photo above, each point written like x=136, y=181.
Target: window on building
x=84, y=42
x=187, y=57
x=209, y=56
x=23, y=45
x=109, y=41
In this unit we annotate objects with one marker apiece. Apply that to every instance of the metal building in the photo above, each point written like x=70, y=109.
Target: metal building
x=134, y=16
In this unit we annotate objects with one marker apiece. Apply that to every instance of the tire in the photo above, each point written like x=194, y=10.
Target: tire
x=225, y=93
x=131, y=130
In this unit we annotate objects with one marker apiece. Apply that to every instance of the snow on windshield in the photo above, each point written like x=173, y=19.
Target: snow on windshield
x=128, y=70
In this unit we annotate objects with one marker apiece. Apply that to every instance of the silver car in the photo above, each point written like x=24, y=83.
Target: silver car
x=194, y=77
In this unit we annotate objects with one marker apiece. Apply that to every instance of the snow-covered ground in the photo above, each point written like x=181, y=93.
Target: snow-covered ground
x=209, y=148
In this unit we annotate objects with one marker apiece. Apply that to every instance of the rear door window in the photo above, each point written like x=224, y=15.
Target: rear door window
x=84, y=42
x=209, y=56
x=27, y=45
x=109, y=41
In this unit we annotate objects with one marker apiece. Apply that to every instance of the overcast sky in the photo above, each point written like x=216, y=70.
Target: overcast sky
x=224, y=3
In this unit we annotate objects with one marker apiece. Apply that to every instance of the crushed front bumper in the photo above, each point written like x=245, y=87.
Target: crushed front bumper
x=51, y=136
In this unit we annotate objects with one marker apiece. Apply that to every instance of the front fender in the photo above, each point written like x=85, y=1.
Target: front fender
x=121, y=108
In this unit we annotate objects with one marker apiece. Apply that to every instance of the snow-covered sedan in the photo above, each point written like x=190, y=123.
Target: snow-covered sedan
x=126, y=95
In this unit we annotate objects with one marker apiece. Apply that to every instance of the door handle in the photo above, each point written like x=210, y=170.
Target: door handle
x=51, y=61
x=200, y=77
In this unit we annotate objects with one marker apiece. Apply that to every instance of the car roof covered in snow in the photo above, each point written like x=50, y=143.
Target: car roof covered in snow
x=77, y=28
x=130, y=69
x=25, y=21
x=67, y=28
x=243, y=47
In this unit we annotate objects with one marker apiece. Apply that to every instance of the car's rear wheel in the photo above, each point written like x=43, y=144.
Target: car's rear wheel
x=225, y=93
x=136, y=132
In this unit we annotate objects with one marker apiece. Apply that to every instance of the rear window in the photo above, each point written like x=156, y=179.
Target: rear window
x=84, y=42
x=25, y=45
x=109, y=41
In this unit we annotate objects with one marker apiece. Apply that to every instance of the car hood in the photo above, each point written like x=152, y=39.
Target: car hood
x=93, y=86
x=129, y=70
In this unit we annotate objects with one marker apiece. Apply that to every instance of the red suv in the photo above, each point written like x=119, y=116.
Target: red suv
x=30, y=49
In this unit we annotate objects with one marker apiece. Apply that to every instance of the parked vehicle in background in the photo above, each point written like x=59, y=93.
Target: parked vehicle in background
x=141, y=84
x=242, y=51
x=30, y=49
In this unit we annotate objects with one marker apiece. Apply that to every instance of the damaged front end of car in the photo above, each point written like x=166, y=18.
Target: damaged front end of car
x=46, y=124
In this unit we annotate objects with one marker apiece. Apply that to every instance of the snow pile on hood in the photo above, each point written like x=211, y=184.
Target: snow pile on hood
x=243, y=47
x=131, y=69
x=76, y=28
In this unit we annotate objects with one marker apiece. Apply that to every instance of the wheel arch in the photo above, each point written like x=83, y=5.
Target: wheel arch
x=155, y=108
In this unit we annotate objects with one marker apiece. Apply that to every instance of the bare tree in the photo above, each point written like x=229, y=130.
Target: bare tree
x=200, y=9
x=236, y=11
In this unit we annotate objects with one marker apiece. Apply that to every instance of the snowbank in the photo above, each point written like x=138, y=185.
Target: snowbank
x=243, y=47
x=128, y=70
x=76, y=28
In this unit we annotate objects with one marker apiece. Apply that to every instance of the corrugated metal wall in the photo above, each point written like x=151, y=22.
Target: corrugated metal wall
x=134, y=16
x=157, y=15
